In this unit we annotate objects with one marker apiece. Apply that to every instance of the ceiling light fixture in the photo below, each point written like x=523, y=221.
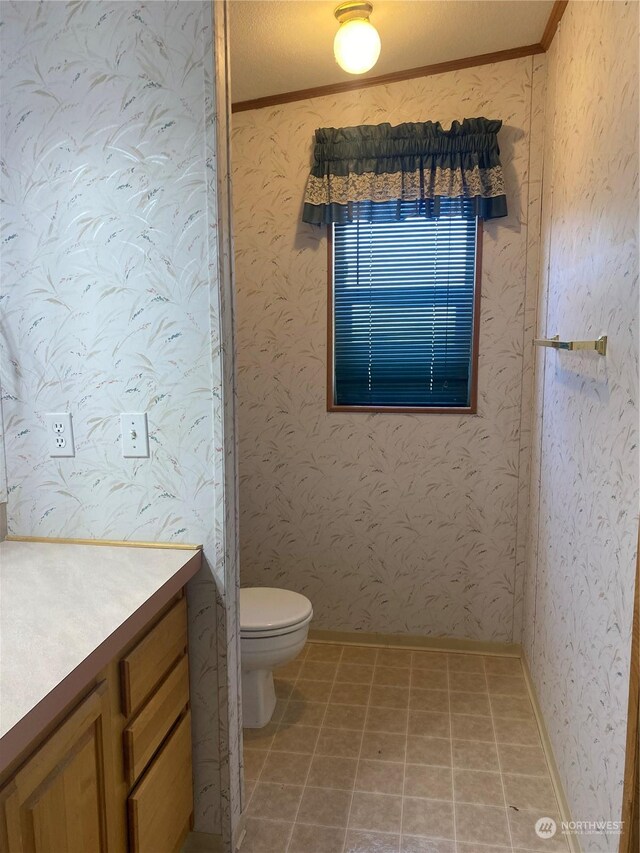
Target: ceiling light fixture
x=356, y=46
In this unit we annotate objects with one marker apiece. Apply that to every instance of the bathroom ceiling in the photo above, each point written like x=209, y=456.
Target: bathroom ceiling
x=283, y=45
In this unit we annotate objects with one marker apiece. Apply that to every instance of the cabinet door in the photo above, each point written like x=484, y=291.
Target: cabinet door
x=161, y=805
x=62, y=798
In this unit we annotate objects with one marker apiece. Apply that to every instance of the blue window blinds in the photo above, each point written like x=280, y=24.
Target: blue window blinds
x=403, y=307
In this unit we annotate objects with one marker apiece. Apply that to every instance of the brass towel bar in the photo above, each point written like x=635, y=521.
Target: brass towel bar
x=600, y=346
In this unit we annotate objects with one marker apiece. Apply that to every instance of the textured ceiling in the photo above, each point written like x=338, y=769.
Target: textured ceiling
x=283, y=45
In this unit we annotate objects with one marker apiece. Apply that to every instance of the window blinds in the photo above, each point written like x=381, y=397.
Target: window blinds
x=403, y=308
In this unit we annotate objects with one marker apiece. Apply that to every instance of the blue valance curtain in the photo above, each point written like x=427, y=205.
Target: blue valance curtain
x=413, y=162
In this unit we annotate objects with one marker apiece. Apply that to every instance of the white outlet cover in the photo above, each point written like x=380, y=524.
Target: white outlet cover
x=60, y=434
x=135, y=434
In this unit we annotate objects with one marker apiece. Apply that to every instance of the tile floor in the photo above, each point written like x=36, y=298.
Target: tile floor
x=393, y=751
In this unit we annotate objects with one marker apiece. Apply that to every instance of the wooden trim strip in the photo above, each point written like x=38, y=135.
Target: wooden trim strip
x=415, y=641
x=556, y=779
x=552, y=24
x=631, y=792
x=394, y=77
x=111, y=543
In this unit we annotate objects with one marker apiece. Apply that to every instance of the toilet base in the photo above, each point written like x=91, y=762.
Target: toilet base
x=258, y=698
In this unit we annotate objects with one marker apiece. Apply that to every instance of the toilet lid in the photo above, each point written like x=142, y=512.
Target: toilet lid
x=263, y=608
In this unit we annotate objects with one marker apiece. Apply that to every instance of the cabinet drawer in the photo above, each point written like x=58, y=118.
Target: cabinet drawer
x=160, y=807
x=150, y=660
x=145, y=733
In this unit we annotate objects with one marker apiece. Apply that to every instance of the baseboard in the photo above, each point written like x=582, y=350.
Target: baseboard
x=240, y=831
x=417, y=642
x=563, y=803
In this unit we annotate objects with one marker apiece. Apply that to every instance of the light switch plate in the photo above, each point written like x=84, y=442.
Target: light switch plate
x=135, y=434
x=59, y=434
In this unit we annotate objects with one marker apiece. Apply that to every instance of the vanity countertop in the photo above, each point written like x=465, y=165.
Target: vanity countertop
x=66, y=610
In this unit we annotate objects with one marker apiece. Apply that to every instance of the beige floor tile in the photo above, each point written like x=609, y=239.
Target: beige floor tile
x=249, y=788
x=359, y=654
x=266, y=836
x=293, y=738
x=316, y=839
x=433, y=818
x=363, y=655
x=345, y=717
x=269, y=800
x=429, y=679
x=387, y=696
x=315, y=670
x=332, y=771
x=466, y=663
x=429, y=660
x=386, y=720
x=518, y=707
x=338, y=742
x=260, y=738
x=286, y=768
x=428, y=724
x=289, y=670
x=383, y=746
x=478, y=786
x=355, y=673
x=509, y=730
x=324, y=652
x=344, y=693
x=278, y=711
x=418, y=844
x=470, y=703
x=423, y=780
x=510, y=685
x=475, y=755
x=283, y=687
x=253, y=762
x=530, y=792
x=464, y=847
x=359, y=841
x=375, y=812
x=529, y=760
x=502, y=665
x=311, y=691
x=468, y=682
x=380, y=777
x=429, y=700
x=466, y=727
x=391, y=675
x=393, y=657
x=482, y=824
x=429, y=750
x=304, y=713
x=324, y=806
x=523, y=832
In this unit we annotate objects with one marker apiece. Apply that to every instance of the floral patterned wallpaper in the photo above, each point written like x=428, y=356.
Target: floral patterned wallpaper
x=390, y=523
x=584, y=518
x=111, y=302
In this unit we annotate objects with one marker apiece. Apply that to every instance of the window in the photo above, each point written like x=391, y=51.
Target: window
x=404, y=310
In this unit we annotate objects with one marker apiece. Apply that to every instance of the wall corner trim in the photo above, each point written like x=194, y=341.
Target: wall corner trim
x=556, y=781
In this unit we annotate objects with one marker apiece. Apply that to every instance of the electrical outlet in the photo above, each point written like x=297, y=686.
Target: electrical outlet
x=135, y=434
x=60, y=434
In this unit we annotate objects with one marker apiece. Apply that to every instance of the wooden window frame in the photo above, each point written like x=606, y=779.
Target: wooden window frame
x=471, y=409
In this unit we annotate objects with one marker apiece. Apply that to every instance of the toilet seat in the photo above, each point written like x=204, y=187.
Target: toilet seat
x=270, y=612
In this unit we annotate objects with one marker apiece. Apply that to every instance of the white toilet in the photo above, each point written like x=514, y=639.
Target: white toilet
x=274, y=624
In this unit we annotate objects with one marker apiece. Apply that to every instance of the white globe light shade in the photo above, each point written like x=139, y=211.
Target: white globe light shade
x=356, y=46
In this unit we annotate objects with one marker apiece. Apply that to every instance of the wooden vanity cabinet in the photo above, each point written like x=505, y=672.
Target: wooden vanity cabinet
x=115, y=773
x=63, y=798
